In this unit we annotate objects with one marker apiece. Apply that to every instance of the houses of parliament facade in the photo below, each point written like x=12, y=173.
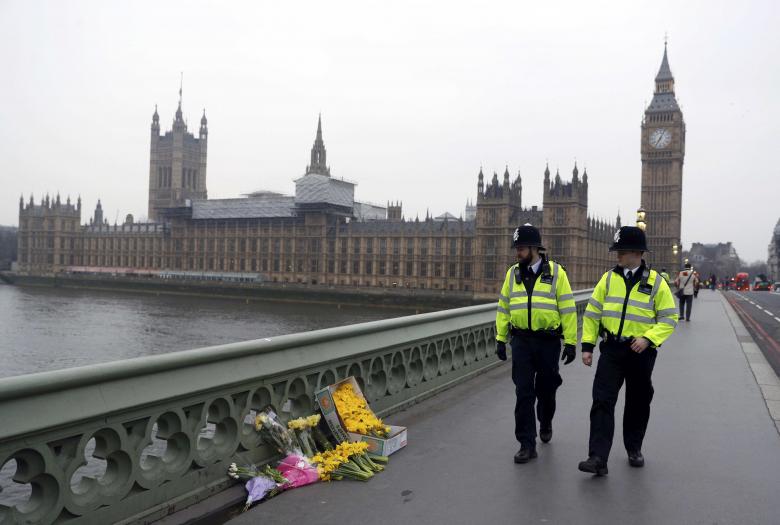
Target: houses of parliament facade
x=321, y=235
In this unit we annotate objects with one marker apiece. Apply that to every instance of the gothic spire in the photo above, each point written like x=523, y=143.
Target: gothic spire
x=664, y=72
x=318, y=163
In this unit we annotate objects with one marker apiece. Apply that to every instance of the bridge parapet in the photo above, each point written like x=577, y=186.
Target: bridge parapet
x=134, y=440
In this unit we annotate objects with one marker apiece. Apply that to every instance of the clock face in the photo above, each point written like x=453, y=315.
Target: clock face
x=660, y=138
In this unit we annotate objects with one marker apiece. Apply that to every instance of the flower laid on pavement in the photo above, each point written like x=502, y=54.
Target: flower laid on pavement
x=258, y=488
x=348, y=460
x=274, y=433
x=298, y=470
x=356, y=414
x=303, y=428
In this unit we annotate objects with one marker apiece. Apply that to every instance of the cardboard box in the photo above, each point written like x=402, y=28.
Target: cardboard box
x=395, y=441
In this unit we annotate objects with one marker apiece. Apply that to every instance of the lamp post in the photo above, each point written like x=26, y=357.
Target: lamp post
x=641, y=223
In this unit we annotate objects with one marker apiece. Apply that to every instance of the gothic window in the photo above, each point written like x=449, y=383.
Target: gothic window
x=453, y=247
x=409, y=268
x=437, y=247
x=396, y=267
x=369, y=245
x=355, y=267
x=382, y=246
x=424, y=247
x=453, y=270
x=466, y=270
x=467, y=247
x=343, y=247
x=382, y=268
x=437, y=270
x=409, y=246
x=369, y=267
x=560, y=215
x=396, y=246
x=343, y=266
x=314, y=266
x=356, y=246
x=489, y=270
x=492, y=217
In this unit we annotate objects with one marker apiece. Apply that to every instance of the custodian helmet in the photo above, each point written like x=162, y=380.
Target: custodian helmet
x=527, y=235
x=630, y=238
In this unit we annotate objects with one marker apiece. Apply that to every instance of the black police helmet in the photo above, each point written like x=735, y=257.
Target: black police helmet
x=527, y=235
x=629, y=238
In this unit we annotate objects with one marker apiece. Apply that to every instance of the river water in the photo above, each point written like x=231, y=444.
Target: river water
x=51, y=328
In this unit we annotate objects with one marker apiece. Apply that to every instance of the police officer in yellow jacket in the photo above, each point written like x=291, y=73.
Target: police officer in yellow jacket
x=633, y=311
x=535, y=309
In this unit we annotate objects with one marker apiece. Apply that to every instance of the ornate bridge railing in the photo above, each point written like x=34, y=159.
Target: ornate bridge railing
x=132, y=441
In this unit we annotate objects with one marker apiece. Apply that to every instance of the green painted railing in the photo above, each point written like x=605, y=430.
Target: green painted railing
x=132, y=441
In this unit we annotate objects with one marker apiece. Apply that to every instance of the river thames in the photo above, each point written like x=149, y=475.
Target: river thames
x=51, y=328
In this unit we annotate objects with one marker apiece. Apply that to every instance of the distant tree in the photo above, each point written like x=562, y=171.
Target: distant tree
x=7, y=246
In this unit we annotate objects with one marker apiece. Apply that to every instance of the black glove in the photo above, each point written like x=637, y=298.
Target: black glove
x=587, y=348
x=501, y=350
x=569, y=352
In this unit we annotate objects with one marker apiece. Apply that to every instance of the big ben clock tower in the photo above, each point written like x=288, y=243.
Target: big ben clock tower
x=663, y=152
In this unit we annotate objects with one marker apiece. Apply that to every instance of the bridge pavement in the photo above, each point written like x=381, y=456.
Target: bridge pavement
x=712, y=451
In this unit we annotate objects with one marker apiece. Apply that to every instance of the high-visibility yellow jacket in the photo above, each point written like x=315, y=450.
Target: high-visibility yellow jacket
x=666, y=277
x=550, y=305
x=645, y=311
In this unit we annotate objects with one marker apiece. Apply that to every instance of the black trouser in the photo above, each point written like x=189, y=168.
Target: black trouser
x=686, y=299
x=617, y=363
x=536, y=378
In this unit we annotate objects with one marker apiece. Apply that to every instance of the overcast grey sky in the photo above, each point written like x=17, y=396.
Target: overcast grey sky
x=414, y=96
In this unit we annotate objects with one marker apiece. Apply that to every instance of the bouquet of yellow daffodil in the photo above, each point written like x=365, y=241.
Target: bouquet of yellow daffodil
x=356, y=414
x=348, y=460
x=302, y=430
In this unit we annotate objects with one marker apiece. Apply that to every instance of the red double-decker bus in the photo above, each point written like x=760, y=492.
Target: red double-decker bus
x=742, y=282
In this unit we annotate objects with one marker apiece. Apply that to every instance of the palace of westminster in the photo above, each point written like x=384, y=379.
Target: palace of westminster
x=322, y=235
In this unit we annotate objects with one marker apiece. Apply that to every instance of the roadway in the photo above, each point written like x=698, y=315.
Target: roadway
x=712, y=451
x=760, y=312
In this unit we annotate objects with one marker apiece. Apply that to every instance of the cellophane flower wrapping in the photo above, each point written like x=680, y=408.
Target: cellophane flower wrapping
x=274, y=433
x=298, y=470
x=257, y=488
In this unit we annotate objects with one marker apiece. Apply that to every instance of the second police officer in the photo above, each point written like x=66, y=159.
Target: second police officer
x=633, y=311
x=535, y=310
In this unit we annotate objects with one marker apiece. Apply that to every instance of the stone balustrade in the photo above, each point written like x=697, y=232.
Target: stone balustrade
x=134, y=440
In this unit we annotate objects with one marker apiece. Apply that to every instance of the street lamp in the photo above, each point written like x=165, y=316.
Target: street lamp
x=641, y=223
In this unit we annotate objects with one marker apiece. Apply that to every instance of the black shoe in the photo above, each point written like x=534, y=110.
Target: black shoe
x=545, y=435
x=525, y=454
x=594, y=465
x=636, y=459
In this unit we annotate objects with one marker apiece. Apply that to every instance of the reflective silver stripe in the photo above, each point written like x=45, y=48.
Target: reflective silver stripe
x=519, y=294
x=503, y=310
x=592, y=315
x=667, y=320
x=666, y=312
x=609, y=277
x=566, y=297
x=544, y=306
x=656, y=285
x=629, y=317
x=503, y=298
x=593, y=302
x=616, y=300
x=554, y=286
x=639, y=319
x=519, y=306
x=568, y=310
x=640, y=304
x=546, y=295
